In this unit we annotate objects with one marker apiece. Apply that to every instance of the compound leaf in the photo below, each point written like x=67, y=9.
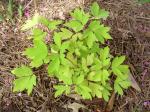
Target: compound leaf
x=54, y=65
x=95, y=9
x=96, y=90
x=22, y=71
x=52, y=25
x=91, y=39
x=106, y=92
x=65, y=34
x=121, y=84
x=60, y=89
x=103, y=31
x=65, y=74
x=97, y=12
x=75, y=25
x=38, y=34
x=99, y=36
x=94, y=25
x=84, y=91
x=37, y=53
x=118, y=89
x=90, y=59
x=104, y=76
x=80, y=15
x=118, y=61
x=57, y=39
x=79, y=79
x=25, y=79
x=104, y=53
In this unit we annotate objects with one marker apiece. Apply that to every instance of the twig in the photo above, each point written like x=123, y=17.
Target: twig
x=28, y=4
x=35, y=5
x=146, y=18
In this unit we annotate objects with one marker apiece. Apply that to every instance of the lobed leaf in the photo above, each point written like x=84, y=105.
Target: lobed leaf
x=26, y=80
x=118, y=61
x=52, y=25
x=96, y=90
x=97, y=12
x=37, y=53
x=80, y=15
x=75, y=25
x=60, y=89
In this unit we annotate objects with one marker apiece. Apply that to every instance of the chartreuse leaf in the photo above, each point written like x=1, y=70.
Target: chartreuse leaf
x=84, y=64
x=97, y=12
x=60, y=89
x=101, y=75
x=95, y=9
x=104, y=53
x=22, y=71
x=79, y=79
x=91, y=39
x=98, y=31
x=31, y=22
x=84, y=91
x=90, y=59
x=106, y=92
x=65, y=34
x=65, y=61
x=121, y=71
x=102, y=33
x=52, y=25
x=37, y=53
x=97, y=65
x=93, y=76
x=38, y=34
x=104, y=76
x=121, y=84
x=47, y=59
x=80, y=15
x=124, y=69
x=77, y=36
x=65, y=45
x=54, y=65
x=94, y=25
x=105, y=56
x=65, y=75
x=25, y=79
x=75, y=25
x=57, y=39
x=96, y=89
x=99, y=36
x=71, y=58
x=118, y=61
x=95, y=48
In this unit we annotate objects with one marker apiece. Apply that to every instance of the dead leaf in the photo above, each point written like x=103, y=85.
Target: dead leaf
x=134, y=83
x=75, y=96
x=147, y=34
x=74, y=106
x=110, y=104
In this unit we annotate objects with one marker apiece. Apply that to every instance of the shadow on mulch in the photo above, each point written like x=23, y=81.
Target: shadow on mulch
x=130, y=24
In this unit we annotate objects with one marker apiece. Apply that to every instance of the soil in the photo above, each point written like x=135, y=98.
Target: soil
x=130, y=29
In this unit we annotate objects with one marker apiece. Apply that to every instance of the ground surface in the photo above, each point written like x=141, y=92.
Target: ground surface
x=130, y=29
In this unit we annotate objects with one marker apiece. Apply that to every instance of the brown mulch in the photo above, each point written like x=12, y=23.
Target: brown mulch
x=130, y=29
